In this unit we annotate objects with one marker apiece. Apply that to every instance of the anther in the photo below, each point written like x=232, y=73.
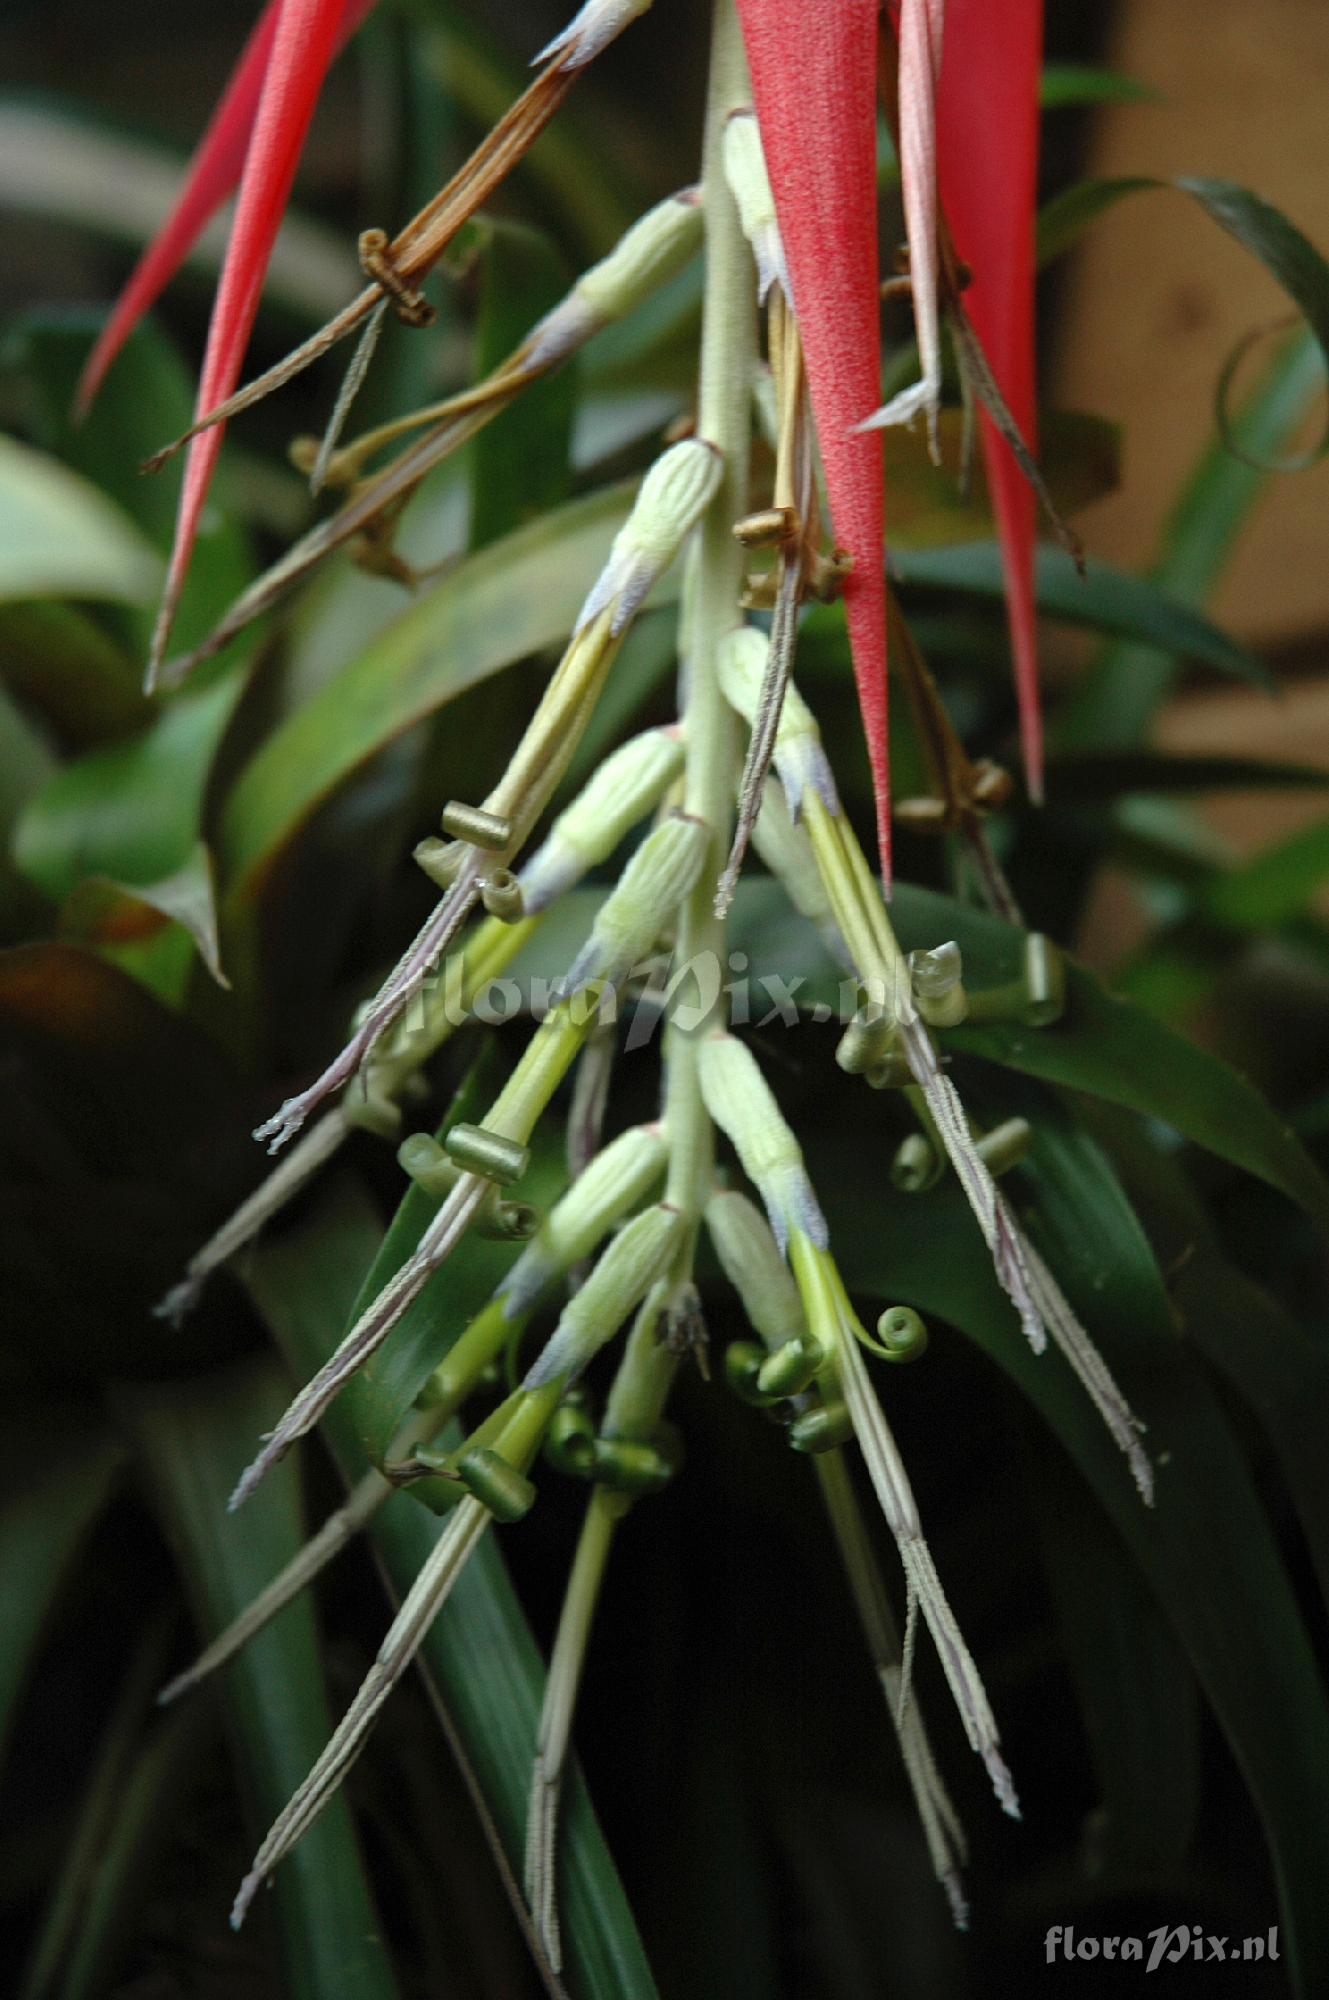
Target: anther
x=479, y=1151
x=500, y=892
x=791, y=1368
x=1006, y=1145
x=769, y=528
x=476, y=826
x=507, y=1493
x=427, y=1164
x=1044, y=981
x=376, y=263
x=821, y=1429
x=440, y=860
x=916, y=1166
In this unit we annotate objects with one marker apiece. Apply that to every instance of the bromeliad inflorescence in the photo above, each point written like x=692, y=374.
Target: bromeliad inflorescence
x=788, y=209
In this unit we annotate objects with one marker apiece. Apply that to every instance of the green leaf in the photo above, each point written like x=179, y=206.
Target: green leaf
x=122, y=919
x=56, y=661
x=1102, y=1045
x=1116, y=702
x=1275, y=885
x=59, y=537
x=148, y=397
x=132, y=810
x=1064, y=220
x=479, y=1653
x=1279, y=1368
x=514, y=598
x=191, y=1436
x=1138, y=1695
x=58, y=1470
x=1205, y=1549
x=520, y=462
x=134, y=1788
x=1069, y=85
x=123, y=1142
x=1078, y=455
x=1104, y=599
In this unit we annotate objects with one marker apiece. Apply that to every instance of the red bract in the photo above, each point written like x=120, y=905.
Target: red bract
x=214, y=174
x=814, y=83
x=301, y=42
x=987, y=145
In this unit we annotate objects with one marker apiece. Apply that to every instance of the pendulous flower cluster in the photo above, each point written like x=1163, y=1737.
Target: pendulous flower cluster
x=786, y=205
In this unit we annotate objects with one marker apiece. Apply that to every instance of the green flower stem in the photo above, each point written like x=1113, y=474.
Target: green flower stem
x=544, y=1062
x=724, y=405
x=728, y=364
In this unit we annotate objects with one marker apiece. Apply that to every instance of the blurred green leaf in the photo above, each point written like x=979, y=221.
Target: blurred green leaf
x=124, y=1139
x=130, y=811
x=514, y=598
x=58, y=1470
x=479, y=1653
x=933, y=506
x=60, y=537
x=147, y=398
x=191, y=1435
x=520, y=462
x=1274, y=885
x=62, y=666
x=1069, y=85
x=1138, y=1694
x=1102, y=1045
x=1118, y=699
x=121, y=918
x=57, y=162
x=134, y=1789
x=1064, y=220
x=1104, y=600
x=1205, y=1548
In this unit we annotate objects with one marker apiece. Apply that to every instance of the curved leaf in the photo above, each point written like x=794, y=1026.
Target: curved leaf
x=1103, y=599
x=191, y=1435
x=1105, y=1046
x=60, y=537
x=479, y=1653
x=514, y=598
x=57, y=1478
x=1205, y=1549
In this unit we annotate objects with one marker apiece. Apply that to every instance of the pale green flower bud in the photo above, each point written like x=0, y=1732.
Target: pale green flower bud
x=591, y=30
x=627, y=786
x=638, y=1255
x=749, y=183
x=669, y=503
x=740, y=1101
x=799, y=758
x=619, y=1176
x=785, y=848
x=647, y=256
x=750, y=1258
x=661, y=873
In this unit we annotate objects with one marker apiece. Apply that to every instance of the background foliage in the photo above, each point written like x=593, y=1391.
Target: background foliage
x=1159, y=1678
